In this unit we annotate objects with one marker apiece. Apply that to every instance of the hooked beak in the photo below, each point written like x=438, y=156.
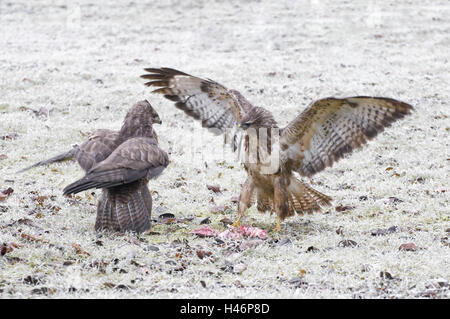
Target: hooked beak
x=157, y=120
x=243, y=126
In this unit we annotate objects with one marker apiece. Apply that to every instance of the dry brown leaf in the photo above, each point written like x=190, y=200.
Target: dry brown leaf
x=342, y=208
x=226, y=221
x=32, y=238
x=218, y=209
x=347, y=243
x=408, y=247
x=78, y=250
x=7, y=191
x=214, y=188
x=202, y=254
x=3, y=197
x=4, y=249
x=109, y=285
x=10, y=136
x=132, y=240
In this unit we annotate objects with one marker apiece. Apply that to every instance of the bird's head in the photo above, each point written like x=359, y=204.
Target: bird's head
x=144, y=108
x=255, y=118
x=156, y=119
x=139, y=121
x=153, y=114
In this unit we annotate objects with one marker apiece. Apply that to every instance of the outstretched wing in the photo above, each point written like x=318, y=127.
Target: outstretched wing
x=205, y=100
x=329, y=128
x=97, y=148
x=136, y=158
x=66, y=156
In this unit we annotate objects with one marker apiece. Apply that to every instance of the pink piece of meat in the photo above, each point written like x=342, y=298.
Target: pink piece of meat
x=243, y=231
x=205, y=231
x=231, y=233
x=250, y=231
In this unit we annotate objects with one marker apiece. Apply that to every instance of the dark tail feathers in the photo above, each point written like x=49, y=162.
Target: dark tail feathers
x=125, y=208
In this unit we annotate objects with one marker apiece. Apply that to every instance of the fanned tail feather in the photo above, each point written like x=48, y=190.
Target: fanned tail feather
x=125, y=208
x=304, y=199
x=106, y=213
x=264, y=202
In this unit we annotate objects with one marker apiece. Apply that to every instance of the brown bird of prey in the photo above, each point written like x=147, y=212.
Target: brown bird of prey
x=121, y=163
x=319, y=136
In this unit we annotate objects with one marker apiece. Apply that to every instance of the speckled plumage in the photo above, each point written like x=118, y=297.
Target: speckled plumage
x=121, y=164
x=122, y=167
x=319, y=136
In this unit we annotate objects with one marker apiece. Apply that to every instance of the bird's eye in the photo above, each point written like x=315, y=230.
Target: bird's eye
x=156, y=119
x=245, y=125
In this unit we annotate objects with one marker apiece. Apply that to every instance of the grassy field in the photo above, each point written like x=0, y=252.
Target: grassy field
x=69, y=69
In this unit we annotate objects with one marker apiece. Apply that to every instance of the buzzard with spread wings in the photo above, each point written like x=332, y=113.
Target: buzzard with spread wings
x=319, y=136
x=121, y=163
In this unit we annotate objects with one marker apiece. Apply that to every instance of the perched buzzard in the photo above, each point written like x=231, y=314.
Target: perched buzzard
x=319, y=136
x=121, y=163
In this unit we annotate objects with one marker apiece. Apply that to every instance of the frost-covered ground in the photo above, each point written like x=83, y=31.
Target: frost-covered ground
x=67, y=69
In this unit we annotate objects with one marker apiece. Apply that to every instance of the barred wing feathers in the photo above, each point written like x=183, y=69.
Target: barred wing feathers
x=125, y=207
x=330, y=128
x=203, y=99
x=97, y=148
x=136, y=158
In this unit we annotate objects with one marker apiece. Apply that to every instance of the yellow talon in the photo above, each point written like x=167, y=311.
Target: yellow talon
x=277, y=228
x=237, y=223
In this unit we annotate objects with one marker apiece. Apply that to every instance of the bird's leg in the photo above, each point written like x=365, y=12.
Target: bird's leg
x=277, y=228
x=245, y=200
x=242, y=207
x=237, y=223
x=280, y=200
